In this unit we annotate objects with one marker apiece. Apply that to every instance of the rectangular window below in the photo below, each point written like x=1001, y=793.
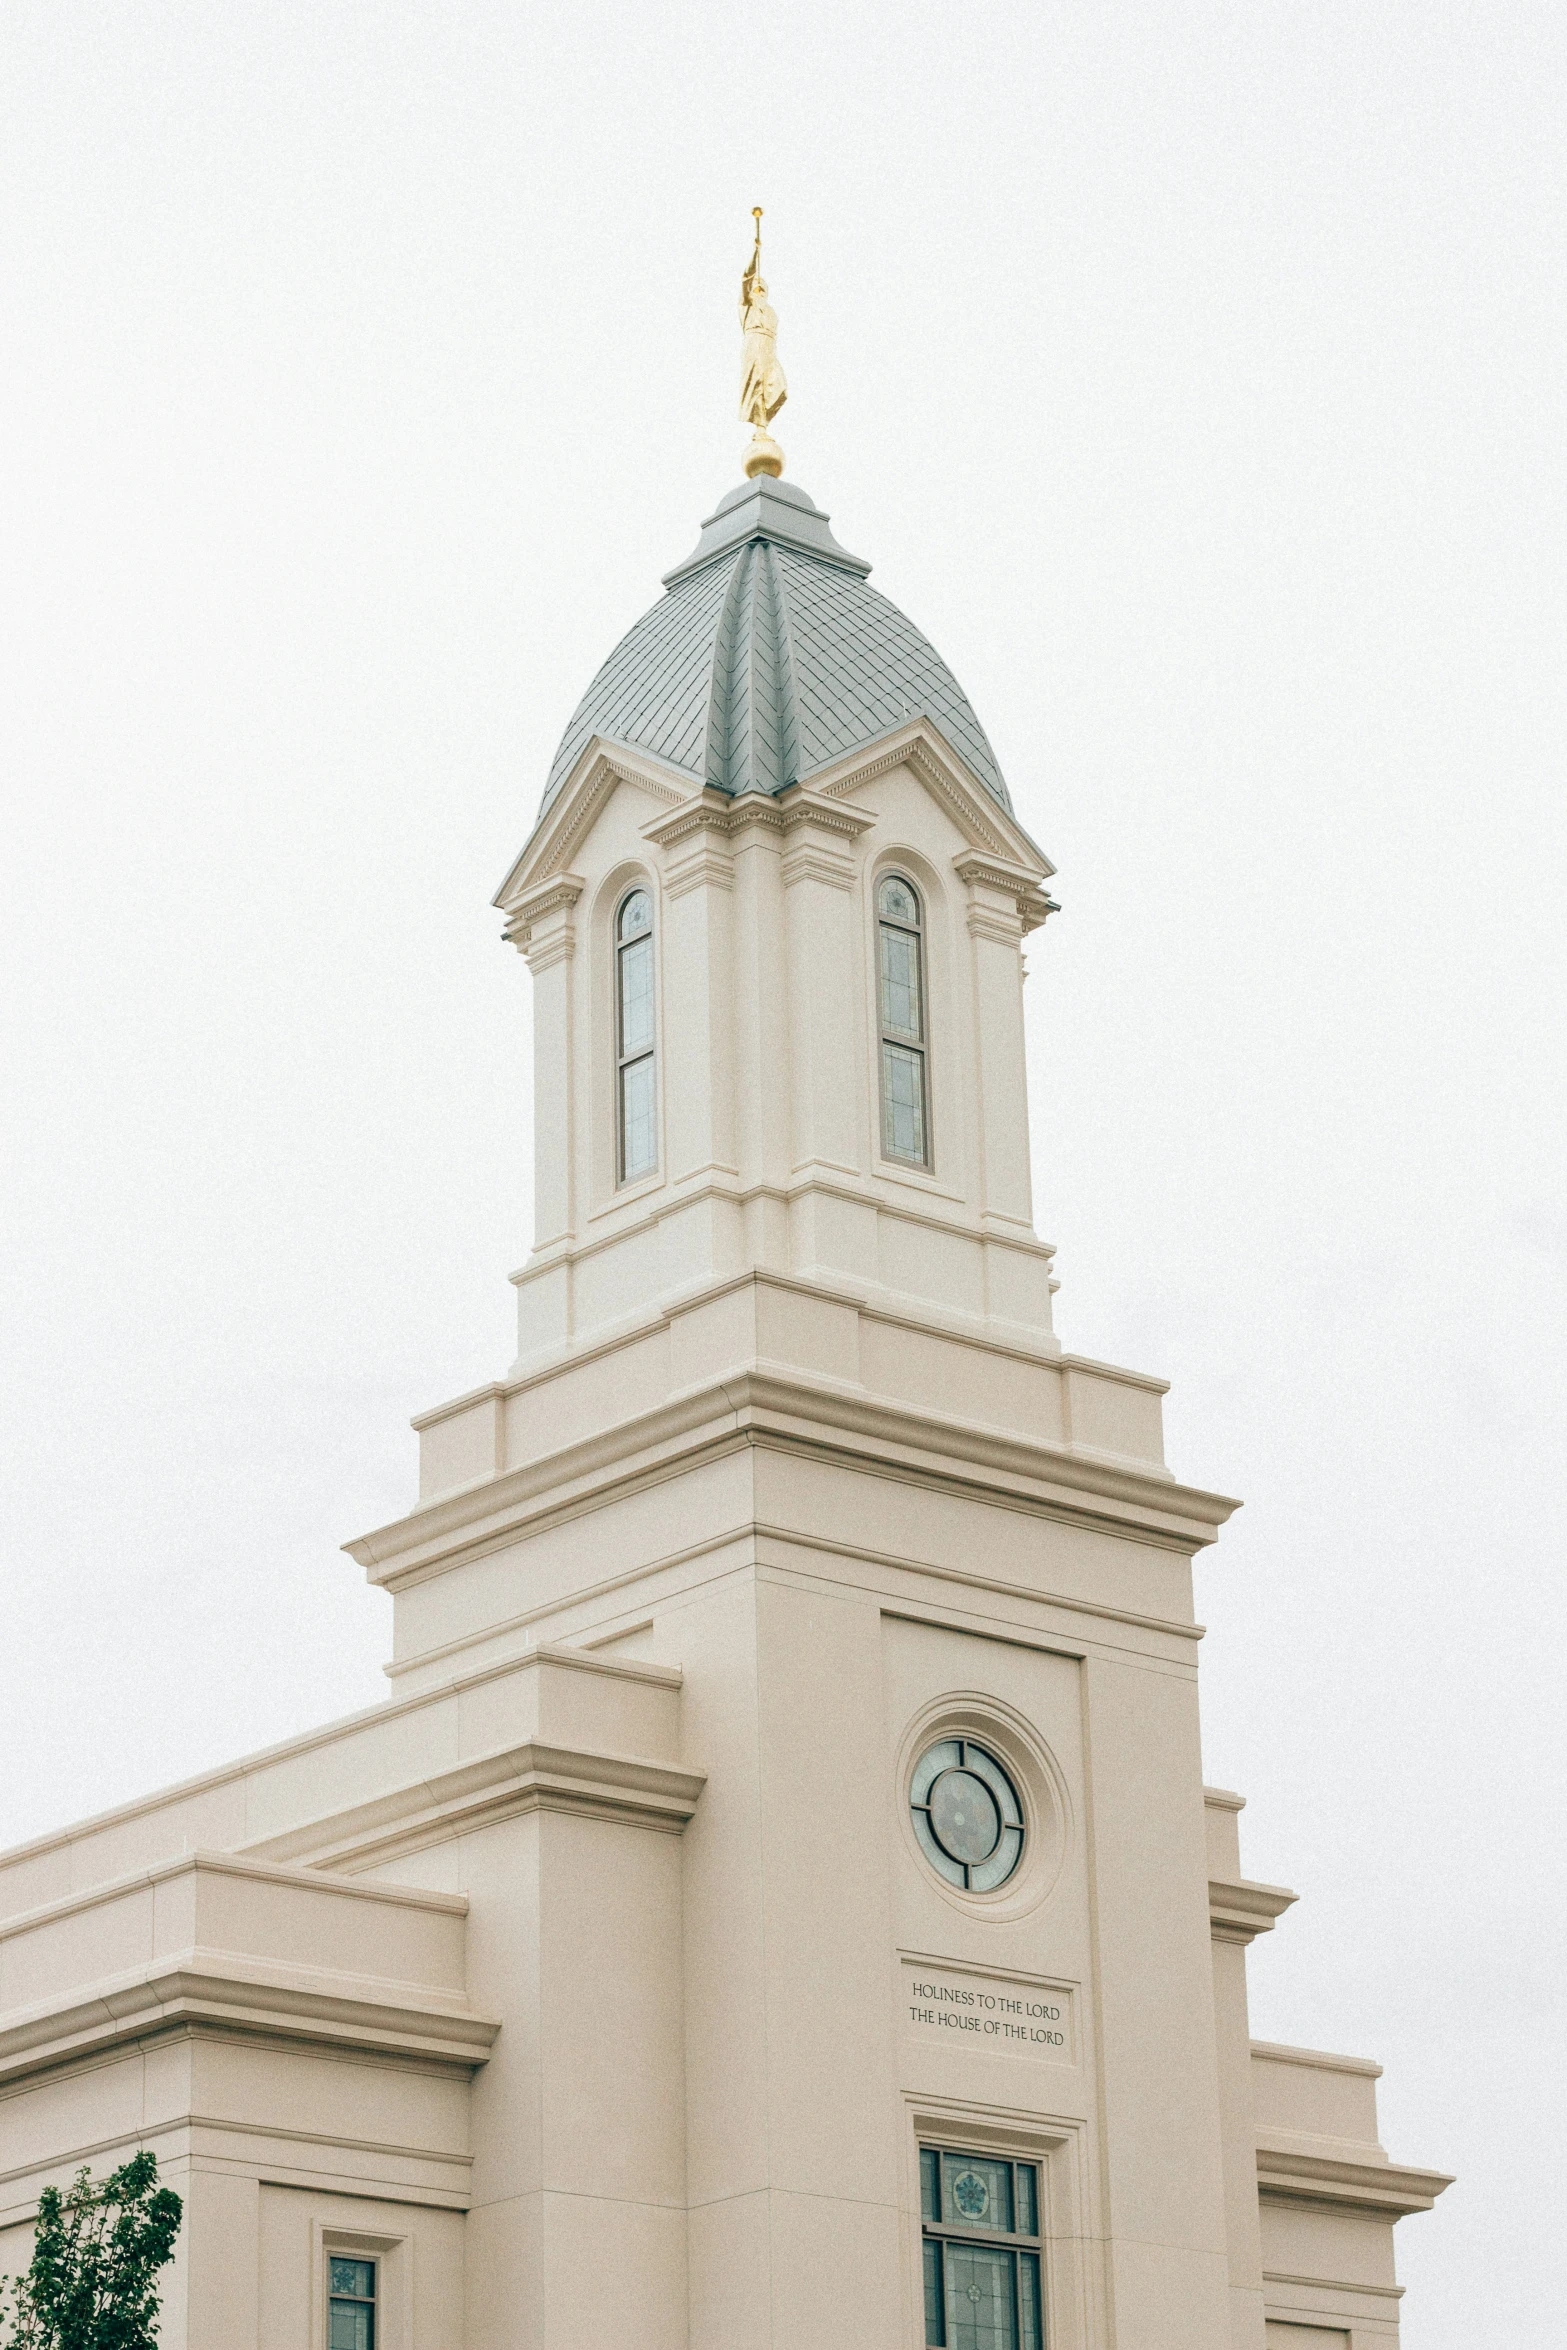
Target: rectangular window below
x=903, y=1103
x=638, y=1142
x=350, y=2304
x=980, y=2294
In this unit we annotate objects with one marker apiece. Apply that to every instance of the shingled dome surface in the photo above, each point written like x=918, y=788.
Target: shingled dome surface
x=768, y=658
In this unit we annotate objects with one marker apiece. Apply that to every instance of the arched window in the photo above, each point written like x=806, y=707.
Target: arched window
x=905, y=1097
x=636, y=1114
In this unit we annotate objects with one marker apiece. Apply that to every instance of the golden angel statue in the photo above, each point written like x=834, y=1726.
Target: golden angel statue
x=763, y=390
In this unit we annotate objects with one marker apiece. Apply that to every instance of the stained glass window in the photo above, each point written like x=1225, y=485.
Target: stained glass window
x=981, y=2252
x=967, y=1814
x=905, y=1122
x=350, y=2304
x=636, y=1104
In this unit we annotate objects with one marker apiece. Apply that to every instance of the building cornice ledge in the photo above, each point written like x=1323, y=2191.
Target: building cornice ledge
x=1317, y=2060
x=1325, y=2171
x=496, y=1786
x=1240, y=1908
x=760, y=1404
x=216, y=1992
x=209, y=1863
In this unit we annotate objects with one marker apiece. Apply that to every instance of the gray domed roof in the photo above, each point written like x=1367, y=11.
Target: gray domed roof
x=769, y=657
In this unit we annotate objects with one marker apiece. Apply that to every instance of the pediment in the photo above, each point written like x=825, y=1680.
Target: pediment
x=924, y=750
x=601, y=768
x=985, y=828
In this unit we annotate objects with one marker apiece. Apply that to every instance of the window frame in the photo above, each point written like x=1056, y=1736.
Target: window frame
x=917, y=1046
x=1021, y=2244
x=1010, y=1792
x=619, y=948
x=371, y=2302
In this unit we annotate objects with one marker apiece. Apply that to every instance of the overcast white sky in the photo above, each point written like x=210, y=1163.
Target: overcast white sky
x=1194, y=376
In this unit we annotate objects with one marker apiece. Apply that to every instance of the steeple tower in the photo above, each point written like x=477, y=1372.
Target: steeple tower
x=779, y=1907
x=768, y=743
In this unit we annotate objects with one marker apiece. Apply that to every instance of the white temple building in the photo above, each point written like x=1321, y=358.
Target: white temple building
x=777, y=1906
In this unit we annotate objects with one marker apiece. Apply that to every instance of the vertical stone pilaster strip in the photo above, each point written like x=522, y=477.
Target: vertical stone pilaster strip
x=543, y=926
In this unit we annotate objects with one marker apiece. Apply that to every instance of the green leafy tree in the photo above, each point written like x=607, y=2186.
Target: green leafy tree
x=93, y=2283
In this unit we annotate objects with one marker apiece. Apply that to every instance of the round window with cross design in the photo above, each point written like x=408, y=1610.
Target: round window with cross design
x=967, y=1814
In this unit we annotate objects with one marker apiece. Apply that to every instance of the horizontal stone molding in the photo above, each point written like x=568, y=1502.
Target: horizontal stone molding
x=221, y=1942
x=800, y=805
x=740, y=1538
x=216, y=1991
x=1326, y=2173
x=1279, y=2276
x=1001, y=929
x=1316, y=2060
x=496, y=1786
x=708, y=810
x=250, y=1859
x=809, y=861
x=702, y=868
x=214, y=1864
x=1239, y=1908
x=756, y=1404
x=905, y=1206
x=388, y=2168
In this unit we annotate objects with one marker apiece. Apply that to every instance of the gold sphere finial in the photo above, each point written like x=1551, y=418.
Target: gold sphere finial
x=763, y=390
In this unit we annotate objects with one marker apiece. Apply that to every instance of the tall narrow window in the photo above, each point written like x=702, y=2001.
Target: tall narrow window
x=905, y=1113
x=635, y=1109
x=982, y=2246
x=350, y=2304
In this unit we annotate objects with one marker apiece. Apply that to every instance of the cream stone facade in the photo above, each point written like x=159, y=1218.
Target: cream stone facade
x=605, y=1985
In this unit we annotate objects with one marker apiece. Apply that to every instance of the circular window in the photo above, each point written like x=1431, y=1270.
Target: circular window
x=967, y=1815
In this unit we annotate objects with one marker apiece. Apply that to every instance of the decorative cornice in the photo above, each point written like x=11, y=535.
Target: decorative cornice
x=325, y=1734
x=714, y=811
x=1280, y=2276
x=761, y=1532
x=215, y=1991
x=1018, y=882
x=885, y=1304
x=1318, y=2174
x=1315, y=2060
x=528, y=914
x=1239, y=1909
x=996, y=872
x=783, y=1409
x=215, y=1864
x=800, y=805
x=709, y=811
x=533, y=1776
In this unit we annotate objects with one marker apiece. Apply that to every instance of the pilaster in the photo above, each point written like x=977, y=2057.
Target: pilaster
x=825, y=989
x=761, y=1032
x=698, y=875
x=543, y=926
x=1004, y=902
